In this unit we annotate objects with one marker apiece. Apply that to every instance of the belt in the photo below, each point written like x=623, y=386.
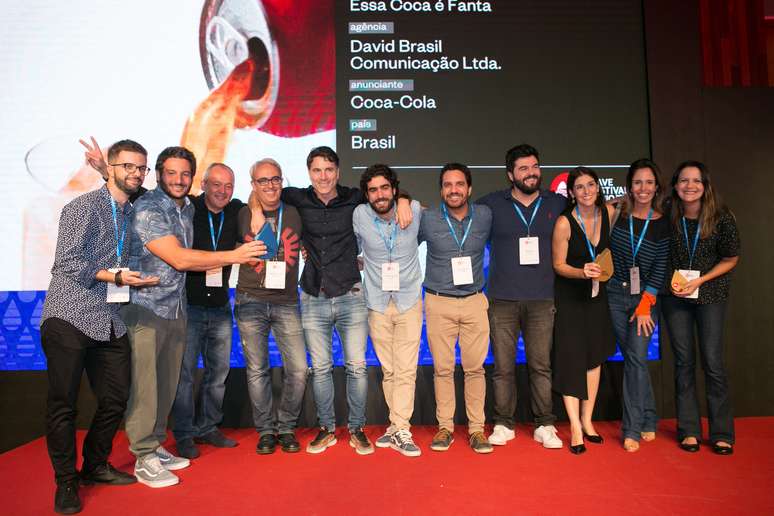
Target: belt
x=456, y=296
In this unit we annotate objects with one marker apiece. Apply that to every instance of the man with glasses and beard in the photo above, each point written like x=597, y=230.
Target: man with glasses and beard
x=393, y=288
x=81, y=328
x=161, y=239
x=521, y=293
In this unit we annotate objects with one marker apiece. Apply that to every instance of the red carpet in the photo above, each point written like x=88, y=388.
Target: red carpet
x=519, y=478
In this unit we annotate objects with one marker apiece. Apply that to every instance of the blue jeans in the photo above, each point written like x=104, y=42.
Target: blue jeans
x=255, y=319
x=349, y=315
x=208, y=334
x=682, y=318
x=639, y=404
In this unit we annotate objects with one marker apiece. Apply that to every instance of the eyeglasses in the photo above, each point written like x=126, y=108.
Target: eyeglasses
x=263, y=181
x=131, y=168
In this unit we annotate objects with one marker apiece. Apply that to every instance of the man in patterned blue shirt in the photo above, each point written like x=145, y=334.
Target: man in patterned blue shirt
x=162, y=235
x=81, y=329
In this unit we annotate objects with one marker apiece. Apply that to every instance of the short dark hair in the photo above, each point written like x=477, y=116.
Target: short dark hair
x=573, y=176
x=176, y=152
x=520, y=151
x=456, y=166
x=125, y=145
x=324, y=152
x=378, y=170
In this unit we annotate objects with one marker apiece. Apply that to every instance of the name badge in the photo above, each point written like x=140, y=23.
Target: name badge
x=214, y=277
x=529, y=251
x=116, y=294
x=594, y=288
x=390, y=276
x=275, y=274
x=462, y=270
x=691, y=275
x=634, y=280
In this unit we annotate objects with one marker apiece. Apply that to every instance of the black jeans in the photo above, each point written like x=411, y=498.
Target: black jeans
x=535, y=320
x=68, y=352
x=683, y=318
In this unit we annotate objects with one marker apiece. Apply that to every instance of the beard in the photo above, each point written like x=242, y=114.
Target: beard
x=122, y=185
x=528, y=189
x=455, y=201
x=382, y=211
x=164, y=187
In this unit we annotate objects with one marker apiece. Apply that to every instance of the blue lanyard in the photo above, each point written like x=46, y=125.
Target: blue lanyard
x=592, y=252
x=119, y=240
x=279, y=227
x=451, y=229
x=212, y=230
x=691, y=250
x=388, y=244
x=636, y=250
x=534, y=212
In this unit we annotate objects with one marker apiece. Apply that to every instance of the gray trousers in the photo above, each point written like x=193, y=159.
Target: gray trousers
x=157, y=352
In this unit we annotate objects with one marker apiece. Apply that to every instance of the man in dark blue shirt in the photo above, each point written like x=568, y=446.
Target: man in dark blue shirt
x=521, y=292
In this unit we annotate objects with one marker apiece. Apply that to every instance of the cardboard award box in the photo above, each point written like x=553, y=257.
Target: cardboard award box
x=678, y=281
x=605, y=262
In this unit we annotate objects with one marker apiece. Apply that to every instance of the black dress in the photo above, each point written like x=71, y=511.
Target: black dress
x=583, y=331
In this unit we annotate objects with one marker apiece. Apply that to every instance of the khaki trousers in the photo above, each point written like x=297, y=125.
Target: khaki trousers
x=396, y=339
x=448, y=318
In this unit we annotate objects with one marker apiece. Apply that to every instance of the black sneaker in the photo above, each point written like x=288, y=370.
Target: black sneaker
x=359, y=441
x=66, y=499
x=288, y=442
x=186, y=448
x=266, y=444
x=217, y=439
x=325, y=438
x=106, y=474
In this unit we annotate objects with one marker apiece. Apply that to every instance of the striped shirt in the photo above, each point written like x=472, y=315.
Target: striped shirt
x=652, y=256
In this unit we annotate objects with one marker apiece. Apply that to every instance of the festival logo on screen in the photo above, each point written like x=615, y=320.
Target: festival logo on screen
x=559, y=184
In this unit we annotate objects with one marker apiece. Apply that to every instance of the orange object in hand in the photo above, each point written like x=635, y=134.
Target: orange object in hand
x=646, y=302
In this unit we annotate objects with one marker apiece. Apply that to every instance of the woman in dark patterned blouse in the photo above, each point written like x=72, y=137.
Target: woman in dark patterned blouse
x=704, y=249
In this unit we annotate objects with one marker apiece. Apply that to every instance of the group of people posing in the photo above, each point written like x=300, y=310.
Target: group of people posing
x=139, y=292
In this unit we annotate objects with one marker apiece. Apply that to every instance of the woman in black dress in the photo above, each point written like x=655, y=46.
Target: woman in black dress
x=583, y=332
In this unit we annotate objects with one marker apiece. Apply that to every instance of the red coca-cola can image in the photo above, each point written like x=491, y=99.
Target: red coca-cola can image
x=287, y=47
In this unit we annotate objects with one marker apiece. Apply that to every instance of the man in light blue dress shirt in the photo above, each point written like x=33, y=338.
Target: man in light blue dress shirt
x=393, y=286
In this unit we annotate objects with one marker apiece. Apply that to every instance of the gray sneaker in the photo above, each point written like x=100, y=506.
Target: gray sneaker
x=384, y=441
x=401, y=441
x=149, y=471
x=169, y=461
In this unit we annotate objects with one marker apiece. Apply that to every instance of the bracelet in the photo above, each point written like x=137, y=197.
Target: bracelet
x=117, y=279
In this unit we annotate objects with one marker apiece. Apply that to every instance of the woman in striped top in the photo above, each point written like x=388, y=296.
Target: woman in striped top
x=640, y=245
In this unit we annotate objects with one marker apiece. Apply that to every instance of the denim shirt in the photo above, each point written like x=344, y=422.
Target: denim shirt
x=441, y=248
x=86, y=244
x=405, y=253
x=157, y=215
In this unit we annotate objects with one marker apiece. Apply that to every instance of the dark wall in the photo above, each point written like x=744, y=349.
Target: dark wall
x=732, y=131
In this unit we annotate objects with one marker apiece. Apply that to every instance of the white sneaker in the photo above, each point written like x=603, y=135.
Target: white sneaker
x=149, y=471
x=546, y=434
x=501, y=435
x=169, y=461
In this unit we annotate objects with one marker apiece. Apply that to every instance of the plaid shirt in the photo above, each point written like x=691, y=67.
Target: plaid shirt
x=86, y=244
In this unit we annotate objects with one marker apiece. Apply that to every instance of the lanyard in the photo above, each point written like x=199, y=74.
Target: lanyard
x=592, y=252
x=388, y=244
x=521, y=215
x=119, y=240
x=691, y=250
x=212, y=230
x=636, y=250
x=279, y=229
x=451, y=229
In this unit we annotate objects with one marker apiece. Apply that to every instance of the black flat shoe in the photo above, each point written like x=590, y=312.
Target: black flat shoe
x=690, y=448
x=595, y=438
x=66, y=500
x=106, y=474
x=722, y=450
x=289, y=443
x=578, y=449
x=266, y=444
